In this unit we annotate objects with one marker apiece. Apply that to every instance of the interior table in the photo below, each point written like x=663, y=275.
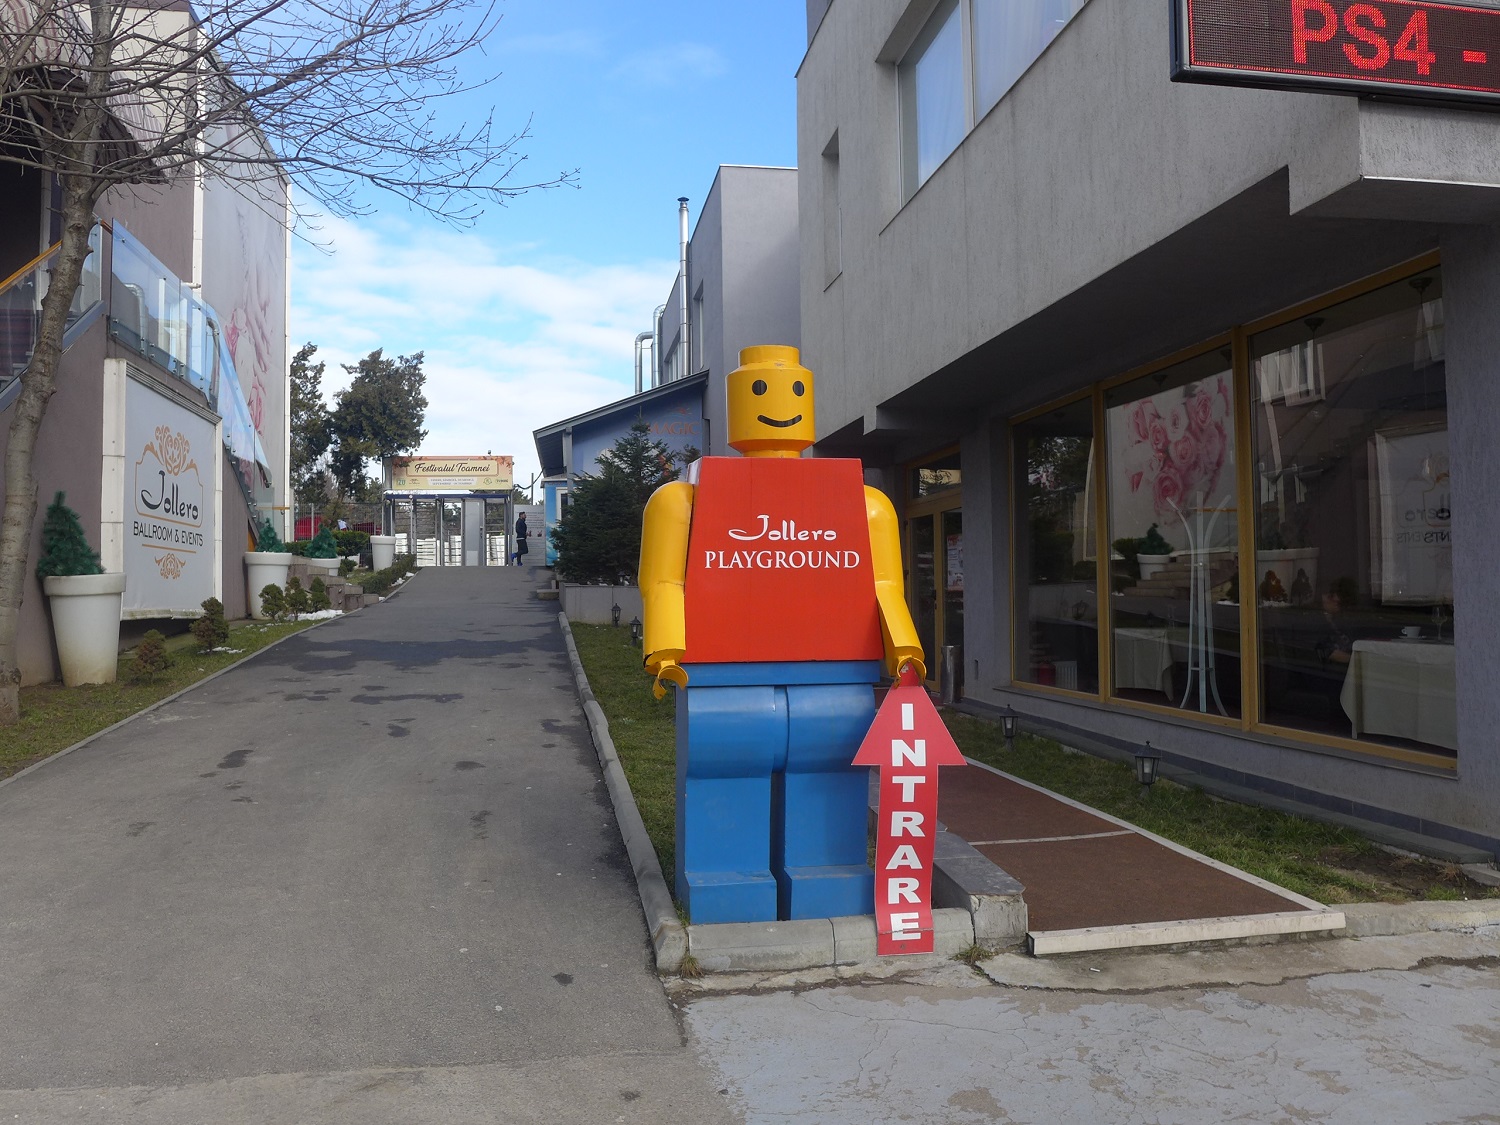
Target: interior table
x=1143, y=660
x=1403, y=688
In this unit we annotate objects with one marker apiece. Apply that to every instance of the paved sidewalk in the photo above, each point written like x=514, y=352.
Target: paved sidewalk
x=370, y=875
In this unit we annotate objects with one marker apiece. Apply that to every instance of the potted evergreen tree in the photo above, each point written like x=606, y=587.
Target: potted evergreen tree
x=85, y=601
x=322, y=554
x=267, y=565
x=1153, y=552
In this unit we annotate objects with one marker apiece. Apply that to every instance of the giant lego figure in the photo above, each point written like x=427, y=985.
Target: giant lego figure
x=773, y=594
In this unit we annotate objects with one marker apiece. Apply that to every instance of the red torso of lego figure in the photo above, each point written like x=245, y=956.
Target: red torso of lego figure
x=779, y=563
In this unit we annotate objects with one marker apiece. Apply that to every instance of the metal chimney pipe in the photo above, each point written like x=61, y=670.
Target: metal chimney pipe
x=682, y=304
x=640, y=338
x=656, y=345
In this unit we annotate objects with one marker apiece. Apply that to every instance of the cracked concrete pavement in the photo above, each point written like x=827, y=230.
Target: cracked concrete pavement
x=1397, y=1046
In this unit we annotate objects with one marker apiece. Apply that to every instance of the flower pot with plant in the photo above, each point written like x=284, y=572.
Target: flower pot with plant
x=322, y=555
x=85, y=601
x=1152, y=552
x=267, y=565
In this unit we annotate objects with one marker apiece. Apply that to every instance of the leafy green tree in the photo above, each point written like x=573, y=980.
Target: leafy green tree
x=312, y=427
x=601, y=540
x=378, y=415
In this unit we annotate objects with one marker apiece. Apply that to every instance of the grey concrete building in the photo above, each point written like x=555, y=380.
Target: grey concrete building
x=742, y=283
x=1185, y=391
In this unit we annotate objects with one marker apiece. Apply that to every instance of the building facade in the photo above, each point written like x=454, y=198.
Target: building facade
x=168, y=430
x=742, y=284
x=1185, y=390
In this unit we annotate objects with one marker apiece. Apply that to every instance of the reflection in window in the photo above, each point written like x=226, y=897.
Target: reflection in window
x=1353, y=549
x=935, y=478
x=934, y=106
x=1009, y=35
x=1057, y=607
x=1174, y=559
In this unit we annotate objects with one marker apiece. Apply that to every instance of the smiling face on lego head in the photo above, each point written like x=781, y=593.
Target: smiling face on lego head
x=770, y=399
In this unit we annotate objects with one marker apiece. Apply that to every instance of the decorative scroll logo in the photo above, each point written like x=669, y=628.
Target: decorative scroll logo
x=169, y=565
x=173, y=450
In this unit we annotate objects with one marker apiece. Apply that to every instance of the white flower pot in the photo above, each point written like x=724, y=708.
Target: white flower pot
x=262, y=569
x=326, y=568
x=382, y=551
x=1152, y=565
x=86, y=623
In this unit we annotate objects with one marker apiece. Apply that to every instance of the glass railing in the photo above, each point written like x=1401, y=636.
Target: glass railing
x=21, y=304
x=155, y=314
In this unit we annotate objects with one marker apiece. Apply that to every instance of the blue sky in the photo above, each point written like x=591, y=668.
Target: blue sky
x=530, y=316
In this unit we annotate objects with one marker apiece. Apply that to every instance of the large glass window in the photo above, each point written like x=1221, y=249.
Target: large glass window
x=968, y=55
x=1174, y=537
x=934, y=106
x=1353, y=551
x=1057, y=604
x=1009, y=35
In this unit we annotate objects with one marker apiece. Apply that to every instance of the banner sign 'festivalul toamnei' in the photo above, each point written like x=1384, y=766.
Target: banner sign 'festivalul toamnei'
x=452, y=474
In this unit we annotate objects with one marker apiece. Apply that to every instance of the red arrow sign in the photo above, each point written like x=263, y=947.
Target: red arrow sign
x=908, y=742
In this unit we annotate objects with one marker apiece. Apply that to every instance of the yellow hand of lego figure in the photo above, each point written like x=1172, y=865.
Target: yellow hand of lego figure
x=663, y=665
x=910, y=656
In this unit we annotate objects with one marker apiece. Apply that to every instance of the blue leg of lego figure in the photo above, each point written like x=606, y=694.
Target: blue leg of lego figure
x=728, y=739
x=764, y=787
x=823, y=871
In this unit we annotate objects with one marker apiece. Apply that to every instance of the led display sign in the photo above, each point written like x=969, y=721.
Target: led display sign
x=1398, y=48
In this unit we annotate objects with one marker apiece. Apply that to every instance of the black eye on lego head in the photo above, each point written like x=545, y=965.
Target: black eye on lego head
x=798, y=388
x=758, y=387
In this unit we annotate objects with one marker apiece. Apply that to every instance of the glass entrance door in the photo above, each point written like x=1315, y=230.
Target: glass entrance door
x=935, y=560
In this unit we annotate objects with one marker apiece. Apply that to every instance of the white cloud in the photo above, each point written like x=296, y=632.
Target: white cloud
x=510, y=346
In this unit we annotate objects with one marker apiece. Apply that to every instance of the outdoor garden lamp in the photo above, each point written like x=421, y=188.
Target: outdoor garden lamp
x=614, y=615
x=1008, y=723
x=1146, y=763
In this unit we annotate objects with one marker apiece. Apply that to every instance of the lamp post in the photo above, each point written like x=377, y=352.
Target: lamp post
x=1146, y=763
x=635, y=630
x=1008, y=723
x=614, y=615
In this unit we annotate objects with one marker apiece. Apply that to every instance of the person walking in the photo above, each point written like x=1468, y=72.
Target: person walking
x=521, y=547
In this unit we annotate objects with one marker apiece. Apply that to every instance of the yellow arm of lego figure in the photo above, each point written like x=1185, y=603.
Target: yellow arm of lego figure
x=663, y=569
x=896, y=626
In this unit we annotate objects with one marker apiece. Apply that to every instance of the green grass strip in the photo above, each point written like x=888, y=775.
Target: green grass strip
x=1322, y=861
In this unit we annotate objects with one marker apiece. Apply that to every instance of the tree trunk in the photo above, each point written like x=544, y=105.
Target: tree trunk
x=37, y=386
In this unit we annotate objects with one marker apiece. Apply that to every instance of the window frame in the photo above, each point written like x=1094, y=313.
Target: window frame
x=1250, y=721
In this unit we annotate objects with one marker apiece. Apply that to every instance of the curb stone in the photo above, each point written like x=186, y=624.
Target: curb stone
x=669, y=937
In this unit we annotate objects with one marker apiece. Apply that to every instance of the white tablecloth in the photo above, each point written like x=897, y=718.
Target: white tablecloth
x=1143, y=660
x=1402, y=688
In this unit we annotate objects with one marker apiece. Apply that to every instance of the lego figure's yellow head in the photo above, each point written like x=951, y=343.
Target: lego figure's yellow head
x=770, y=399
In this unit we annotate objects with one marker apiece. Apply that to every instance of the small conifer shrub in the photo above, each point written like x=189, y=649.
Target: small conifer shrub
x=211, y=630
x=323, y=546
x=267, y=539
x=318, y=596
x=298, y=600
x=272, y=601
x=151, y=658
x=65, y=551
